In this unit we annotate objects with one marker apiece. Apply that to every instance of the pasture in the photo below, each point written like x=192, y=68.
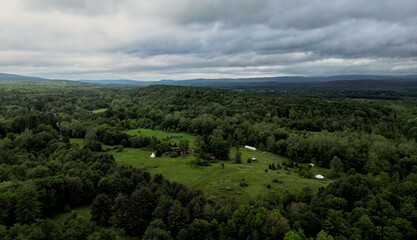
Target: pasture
x=215, y=181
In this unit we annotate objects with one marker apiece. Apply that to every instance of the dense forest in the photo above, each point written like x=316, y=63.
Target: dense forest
x=367, y=143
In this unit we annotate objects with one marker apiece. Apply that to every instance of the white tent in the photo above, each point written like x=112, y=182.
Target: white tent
x=152, y=155
x=251, y=148
x=319, y=177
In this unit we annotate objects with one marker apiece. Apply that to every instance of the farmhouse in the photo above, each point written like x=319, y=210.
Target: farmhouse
x=319, y=177
x=250, y=148
x=175, y=149
x=254, y=160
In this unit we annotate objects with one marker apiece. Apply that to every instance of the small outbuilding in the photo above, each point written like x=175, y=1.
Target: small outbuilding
x=254, y=160
x=152, y=155
x=311, y=164
x=250, y=148
x=319, y=177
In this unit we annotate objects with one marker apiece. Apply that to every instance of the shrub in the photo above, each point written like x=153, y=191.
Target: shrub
x=277, y=181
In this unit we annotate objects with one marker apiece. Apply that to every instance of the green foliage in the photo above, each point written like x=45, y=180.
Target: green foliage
x=157, y=230
x=120, y=148
x=322, y=235
x=44, y=179
x=238, y=157
x=28, y=207
x=184, y=146
x=90, y=136
x=337, y=164
x=292, y=235
x=101, y=209
x=200, y=230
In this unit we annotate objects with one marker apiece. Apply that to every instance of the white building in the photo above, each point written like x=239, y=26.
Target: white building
x=251, y=148
x=319, y=177
x=152, y=155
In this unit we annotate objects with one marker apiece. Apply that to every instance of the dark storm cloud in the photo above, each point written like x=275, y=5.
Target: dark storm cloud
x=207, y=38
x=302, y=14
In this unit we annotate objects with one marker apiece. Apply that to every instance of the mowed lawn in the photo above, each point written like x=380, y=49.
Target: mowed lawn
x=216, y=181
x=174, y=137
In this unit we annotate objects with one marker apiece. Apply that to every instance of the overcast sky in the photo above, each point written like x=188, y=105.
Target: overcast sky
x=181, y=39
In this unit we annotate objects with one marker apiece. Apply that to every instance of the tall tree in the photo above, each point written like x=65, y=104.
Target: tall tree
x=184, y=146
x=101, y=209
x=28, y=207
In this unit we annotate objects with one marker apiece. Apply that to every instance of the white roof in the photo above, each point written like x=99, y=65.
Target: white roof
x=318, y=176
x=250, y=147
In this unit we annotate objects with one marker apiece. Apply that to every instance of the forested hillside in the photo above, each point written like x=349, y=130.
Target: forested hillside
x=367, y=145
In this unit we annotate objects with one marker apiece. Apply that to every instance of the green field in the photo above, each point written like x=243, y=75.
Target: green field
x=101, y=110
x=79, y=141
x=174, y=137
x=84, y=211
x=215, y=181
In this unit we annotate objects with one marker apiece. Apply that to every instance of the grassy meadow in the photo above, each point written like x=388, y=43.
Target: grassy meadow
x=214, y=180
x=84, y=211
x=217, y=181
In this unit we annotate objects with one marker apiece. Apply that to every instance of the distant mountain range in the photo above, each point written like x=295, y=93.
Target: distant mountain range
x=227, y=82
x=5, y=76
x=286, y=81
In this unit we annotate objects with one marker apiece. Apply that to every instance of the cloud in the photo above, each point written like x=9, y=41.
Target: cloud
x=178, y=39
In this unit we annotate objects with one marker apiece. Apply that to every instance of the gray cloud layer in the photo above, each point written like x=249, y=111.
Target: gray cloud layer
x=207, y=38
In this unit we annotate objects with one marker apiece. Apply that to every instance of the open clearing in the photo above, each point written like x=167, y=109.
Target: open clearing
x=84, y=211
x=101, y=110
x=174, y=137
x=215, y=181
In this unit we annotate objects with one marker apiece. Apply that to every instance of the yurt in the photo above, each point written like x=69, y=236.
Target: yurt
x=319, y=177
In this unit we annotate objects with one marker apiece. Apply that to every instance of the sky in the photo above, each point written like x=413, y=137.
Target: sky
x=184, y=39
